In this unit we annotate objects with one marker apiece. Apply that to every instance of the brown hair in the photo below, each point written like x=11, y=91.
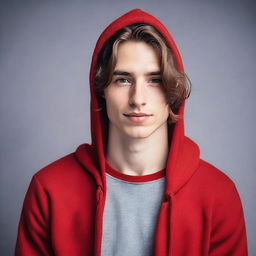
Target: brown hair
x=176, y=84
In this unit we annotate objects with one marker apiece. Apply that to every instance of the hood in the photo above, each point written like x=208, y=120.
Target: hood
x=183, y=154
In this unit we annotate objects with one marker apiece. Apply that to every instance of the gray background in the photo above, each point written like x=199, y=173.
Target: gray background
x=45, y=55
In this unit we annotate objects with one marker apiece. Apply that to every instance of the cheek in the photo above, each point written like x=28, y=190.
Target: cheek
x=116, y=96
x=114, y=104
x=159, y=99
x=161, y=106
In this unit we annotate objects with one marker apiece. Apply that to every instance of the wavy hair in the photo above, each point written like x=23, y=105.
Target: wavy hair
x=176, y=84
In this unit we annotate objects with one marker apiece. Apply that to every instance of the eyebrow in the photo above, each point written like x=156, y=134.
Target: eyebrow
x=125, y=73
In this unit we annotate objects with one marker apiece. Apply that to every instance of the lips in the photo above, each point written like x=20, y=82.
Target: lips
x=138, y=119
x=137, y=114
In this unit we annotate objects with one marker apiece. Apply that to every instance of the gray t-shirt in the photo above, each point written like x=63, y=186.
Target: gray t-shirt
x=130, y=213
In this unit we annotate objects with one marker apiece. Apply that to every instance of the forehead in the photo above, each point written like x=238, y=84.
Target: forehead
x=137, y=56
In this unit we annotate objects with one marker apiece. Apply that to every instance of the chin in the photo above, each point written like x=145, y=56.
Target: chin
x=139, y=133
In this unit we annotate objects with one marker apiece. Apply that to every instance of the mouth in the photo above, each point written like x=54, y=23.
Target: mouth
x=137, y=118
x=137, y=114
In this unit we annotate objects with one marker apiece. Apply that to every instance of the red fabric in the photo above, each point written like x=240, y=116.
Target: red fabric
x=132, y=178
x=201, y=212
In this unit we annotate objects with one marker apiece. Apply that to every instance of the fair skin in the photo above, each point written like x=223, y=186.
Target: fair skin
x=137, y=145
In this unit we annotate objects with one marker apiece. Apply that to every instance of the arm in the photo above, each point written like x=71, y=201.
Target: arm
x=228, y=236
x=33, y=232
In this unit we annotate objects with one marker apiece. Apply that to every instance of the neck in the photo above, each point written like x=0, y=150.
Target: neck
x=138, y=156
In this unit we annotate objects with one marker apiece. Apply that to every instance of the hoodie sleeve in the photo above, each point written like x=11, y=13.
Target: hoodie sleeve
x=228, y=236
x=33, y=231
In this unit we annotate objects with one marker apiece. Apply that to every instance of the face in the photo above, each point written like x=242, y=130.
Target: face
x=136, y=89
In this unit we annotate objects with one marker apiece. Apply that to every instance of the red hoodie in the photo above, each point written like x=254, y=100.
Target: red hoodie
x=201, y=212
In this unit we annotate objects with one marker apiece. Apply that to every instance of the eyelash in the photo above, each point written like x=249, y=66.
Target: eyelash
x=159, y=80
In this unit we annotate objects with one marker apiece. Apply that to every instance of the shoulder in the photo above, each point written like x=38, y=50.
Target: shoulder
x=210, y=172
x=215, y=182
x=66, y=170
x=58, y=167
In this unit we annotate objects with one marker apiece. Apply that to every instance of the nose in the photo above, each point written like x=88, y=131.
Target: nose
x=137, y=95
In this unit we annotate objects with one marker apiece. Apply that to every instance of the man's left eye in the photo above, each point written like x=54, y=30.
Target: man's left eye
x=156, y=80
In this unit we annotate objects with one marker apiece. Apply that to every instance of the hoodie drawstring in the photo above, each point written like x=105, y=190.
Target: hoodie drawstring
x=99, y=221
x=170, y=229
x=163, y=244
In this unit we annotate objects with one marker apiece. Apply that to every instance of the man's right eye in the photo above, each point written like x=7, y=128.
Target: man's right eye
x=122, y=80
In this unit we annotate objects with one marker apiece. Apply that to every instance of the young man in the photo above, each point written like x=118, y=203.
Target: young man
x=140, y=188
